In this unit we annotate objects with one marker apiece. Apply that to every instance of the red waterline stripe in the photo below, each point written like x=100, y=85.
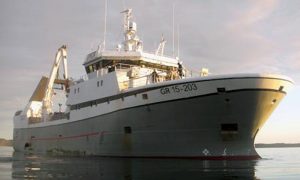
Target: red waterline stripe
x=68, y=137
x=217, y=158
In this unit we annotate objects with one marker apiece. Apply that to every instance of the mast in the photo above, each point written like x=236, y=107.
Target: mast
x=178, y=40
x=105, y=17
x=173, y=29
x=161, y=46
x=132, y=41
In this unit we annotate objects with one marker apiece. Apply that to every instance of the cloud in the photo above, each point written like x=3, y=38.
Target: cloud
x=226, y=37
x=259, y=10
x=229, y=36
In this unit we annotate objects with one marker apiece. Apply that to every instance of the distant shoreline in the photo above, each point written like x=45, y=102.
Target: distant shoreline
x=277, y=145
x=4, y=142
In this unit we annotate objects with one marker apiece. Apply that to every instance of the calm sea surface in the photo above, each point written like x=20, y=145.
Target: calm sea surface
x=277, y=163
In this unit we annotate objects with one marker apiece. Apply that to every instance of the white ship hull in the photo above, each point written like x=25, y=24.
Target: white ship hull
x=215, y=117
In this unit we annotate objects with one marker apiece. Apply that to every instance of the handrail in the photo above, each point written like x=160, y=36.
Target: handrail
x=149, y=79
x=120, y=66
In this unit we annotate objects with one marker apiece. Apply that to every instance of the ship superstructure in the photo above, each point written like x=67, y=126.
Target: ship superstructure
x=138, y=104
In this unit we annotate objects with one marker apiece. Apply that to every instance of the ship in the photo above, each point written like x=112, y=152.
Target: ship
x=136, y=104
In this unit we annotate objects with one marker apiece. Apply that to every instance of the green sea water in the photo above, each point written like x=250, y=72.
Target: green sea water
x=277, y=163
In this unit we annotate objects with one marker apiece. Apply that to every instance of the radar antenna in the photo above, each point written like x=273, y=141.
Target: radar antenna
x=132, y=41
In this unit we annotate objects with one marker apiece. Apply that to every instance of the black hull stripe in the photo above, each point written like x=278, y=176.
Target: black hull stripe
x=161, y=102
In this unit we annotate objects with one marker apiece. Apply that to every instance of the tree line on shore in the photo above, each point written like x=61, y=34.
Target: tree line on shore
x=4, y=142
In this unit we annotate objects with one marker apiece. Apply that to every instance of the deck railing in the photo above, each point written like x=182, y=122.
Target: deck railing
x=139, y=81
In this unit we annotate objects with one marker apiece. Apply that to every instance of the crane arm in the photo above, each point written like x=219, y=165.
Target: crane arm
x=61, y=55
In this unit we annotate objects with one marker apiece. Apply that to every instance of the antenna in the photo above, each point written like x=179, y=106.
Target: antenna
x=178, y=40
x=124, y=4
x=173, y=50
x=105, y=17
x=161, y=46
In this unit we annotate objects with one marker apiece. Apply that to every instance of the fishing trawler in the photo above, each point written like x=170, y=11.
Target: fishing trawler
x=138, y=104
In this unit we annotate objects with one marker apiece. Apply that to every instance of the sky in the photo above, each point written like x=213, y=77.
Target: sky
x=232, y=36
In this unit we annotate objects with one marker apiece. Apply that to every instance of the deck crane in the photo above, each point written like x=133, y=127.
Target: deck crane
x=61, y=55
